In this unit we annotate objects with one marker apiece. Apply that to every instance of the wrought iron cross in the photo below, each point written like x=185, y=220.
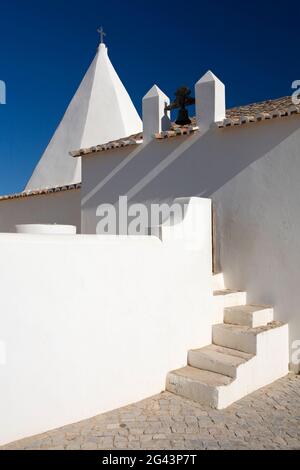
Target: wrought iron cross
x=102, y=34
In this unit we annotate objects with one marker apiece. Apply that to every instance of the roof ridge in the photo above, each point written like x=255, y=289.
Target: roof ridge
x=236, y=116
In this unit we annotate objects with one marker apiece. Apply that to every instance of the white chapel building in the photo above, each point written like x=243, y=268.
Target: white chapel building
x=124, y=316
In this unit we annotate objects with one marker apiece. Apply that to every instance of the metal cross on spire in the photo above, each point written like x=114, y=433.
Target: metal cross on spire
x=102, y=34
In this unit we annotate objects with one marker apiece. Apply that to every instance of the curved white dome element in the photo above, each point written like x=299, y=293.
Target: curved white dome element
x=100, y=111
x=46, y=229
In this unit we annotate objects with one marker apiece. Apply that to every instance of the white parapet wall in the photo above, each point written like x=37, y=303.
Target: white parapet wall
x=89, y=323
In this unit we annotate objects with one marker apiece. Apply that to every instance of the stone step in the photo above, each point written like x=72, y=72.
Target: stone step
x=226, y=298
x=233, y=355
x=196, y=384
x=242, y=338
x=218, y=282
x=249, y=315
x=230, y=297
x=218, y=359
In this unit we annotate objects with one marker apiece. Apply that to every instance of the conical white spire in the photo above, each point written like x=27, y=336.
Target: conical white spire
x=100, y=111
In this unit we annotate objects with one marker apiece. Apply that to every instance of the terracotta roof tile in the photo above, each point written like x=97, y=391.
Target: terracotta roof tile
x=134, y=139
x=177, y=131
x=256, y=112
x=39, y=192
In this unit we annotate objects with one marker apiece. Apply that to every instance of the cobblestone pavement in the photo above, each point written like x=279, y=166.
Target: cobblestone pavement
x=266, y=419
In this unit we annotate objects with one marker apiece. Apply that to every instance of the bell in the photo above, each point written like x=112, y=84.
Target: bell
x=182, y=100
x=183, y=117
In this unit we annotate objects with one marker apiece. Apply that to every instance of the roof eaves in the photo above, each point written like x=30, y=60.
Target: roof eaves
x=108, y=146
x=40, y=192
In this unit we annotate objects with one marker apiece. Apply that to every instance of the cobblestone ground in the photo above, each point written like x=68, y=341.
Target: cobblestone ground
x=266, y=419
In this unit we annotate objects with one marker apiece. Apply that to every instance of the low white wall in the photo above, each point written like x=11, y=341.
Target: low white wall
x=89, y=323
x=62, y=207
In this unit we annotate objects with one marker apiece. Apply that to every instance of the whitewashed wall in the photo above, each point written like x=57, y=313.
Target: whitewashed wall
x=252, y=174
x=60, y=208
x=258, y=222
x=91, y=323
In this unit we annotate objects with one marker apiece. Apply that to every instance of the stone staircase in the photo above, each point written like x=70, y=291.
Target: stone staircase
x=249, y=350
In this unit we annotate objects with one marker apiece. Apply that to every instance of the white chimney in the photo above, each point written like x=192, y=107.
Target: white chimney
x=155, y=118
x=210, y=101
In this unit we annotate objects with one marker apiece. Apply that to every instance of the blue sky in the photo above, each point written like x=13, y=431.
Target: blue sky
x=47, y=45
